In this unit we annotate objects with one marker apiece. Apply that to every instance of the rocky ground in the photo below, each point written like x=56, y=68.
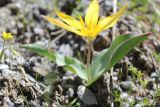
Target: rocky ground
x=29, y=80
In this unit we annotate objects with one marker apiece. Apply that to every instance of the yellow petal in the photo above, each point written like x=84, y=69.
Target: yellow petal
x=69, y=20
x=92, y=14
x=89, y=34
x=7, y=36
x=109, y=21
x=81, y=21
x=62, y=25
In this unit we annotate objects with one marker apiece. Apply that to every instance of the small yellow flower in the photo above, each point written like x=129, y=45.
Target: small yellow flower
x=7, y=36
x=92, y=25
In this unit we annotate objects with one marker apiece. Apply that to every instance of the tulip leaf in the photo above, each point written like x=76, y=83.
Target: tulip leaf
x=69, y=63
x=107, y=58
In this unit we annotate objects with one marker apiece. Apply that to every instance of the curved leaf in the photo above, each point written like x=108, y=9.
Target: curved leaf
x=69, y=63
x=107, y=58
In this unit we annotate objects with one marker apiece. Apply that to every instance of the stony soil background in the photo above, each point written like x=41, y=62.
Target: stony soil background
x=29, y=80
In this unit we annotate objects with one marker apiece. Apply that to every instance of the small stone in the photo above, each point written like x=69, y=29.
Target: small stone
x=7, y=102
x=39, y=31
x=40, y=70
x=20, y=26
x=138, y=98
x=14, y=7
x=3, y=66
x=139, y=105
x=28, y=34
x=86, y=96
x=124, y=95
x=154, y=75
x=65, y=50
x=8, y=74
x=51, y=27
x=20, y=60
x=19, y=100
x=127, y=85
x=116, y=87
x=70, y=92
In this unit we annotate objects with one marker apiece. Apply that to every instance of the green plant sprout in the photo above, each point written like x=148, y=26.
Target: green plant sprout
x=121, y=101
x=157, y=56
x=89, y=29
x=137, y=74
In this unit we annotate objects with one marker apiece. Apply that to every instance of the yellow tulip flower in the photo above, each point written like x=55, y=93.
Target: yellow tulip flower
x=92, y=25
x=7, y=36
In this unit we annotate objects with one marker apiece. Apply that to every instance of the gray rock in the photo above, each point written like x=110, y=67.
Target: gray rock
x=126, y=104
x=39, y=31
x=138, y=105
x=3, y=66
x=7, y=102
x=154, y=75
x=19, y=100
x=138, y=98
x=124, y=95
x=66, y=50
x=20, y=60
x=4, y=13
x=86, y=96
x=28, y=34
x=117, y=87
x=50, y=27
x=127, y=85
x=20, y=26
x=14, y=7
x=70, y=92
x=9, y=74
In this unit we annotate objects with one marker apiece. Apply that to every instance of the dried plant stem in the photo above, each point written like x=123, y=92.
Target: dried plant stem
x=3, y=49
x=89, y=59
x=26, y=78
x=113, y=37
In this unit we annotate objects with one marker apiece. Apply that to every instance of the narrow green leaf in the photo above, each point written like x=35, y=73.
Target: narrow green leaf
x=41, y=50
x=69, y=63
x=107, y=58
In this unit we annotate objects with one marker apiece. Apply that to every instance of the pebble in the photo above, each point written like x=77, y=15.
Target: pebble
x=154, y=75
x=138, y=105
x=3, y=66
x=138, y=98
x=86, y=96
x=9, y=74
x=39, y=31
x=7, y=102
x=127, y=85
x=70, y=92
x=117, y=87
x=14, y=7
x=66, y=50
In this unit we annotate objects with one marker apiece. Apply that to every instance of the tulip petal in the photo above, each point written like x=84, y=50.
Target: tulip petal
x=81, y=21
x=69, y=20
x=92, y=14
x=109, y=21
x=62, y=25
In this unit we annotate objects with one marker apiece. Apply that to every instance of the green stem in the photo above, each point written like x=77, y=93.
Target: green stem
x=89, y=59
x=3, y=49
